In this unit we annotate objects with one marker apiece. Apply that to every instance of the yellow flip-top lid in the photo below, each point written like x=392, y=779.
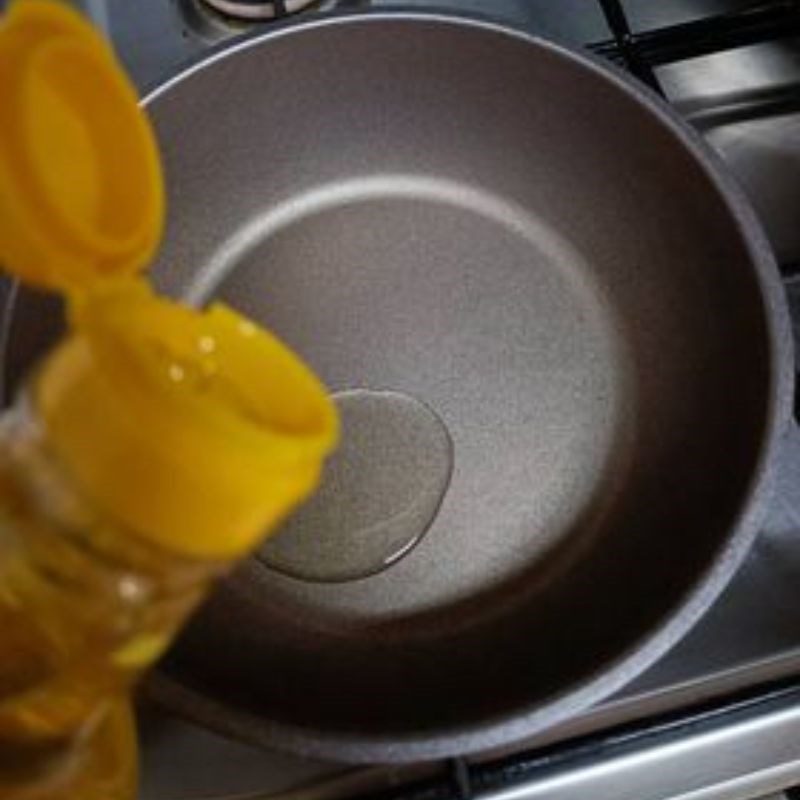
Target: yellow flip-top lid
x=197, y=429
x=81, y=192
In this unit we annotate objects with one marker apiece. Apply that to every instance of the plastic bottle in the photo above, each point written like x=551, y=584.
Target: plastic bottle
x=152, y=448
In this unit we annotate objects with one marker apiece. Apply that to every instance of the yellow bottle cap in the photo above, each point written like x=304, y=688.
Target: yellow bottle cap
x=81, y=192
x=197, y=429
x=200, y=430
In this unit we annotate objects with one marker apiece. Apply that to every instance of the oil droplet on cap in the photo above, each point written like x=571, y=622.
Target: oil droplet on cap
x=380, y=492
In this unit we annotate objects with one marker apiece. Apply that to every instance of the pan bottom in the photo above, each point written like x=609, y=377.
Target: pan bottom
x=447, y=294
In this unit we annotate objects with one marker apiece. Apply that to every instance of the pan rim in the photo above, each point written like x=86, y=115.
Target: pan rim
x=352, y=747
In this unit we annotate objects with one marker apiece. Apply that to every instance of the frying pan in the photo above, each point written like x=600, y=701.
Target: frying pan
x=560, y=347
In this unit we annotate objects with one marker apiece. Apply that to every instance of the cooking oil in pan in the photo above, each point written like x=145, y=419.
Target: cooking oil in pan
x=379, y=495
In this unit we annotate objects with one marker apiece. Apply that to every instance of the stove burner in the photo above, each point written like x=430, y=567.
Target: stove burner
x=258, y=9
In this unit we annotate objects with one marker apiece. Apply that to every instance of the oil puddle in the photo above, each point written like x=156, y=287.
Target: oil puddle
x=380, y=492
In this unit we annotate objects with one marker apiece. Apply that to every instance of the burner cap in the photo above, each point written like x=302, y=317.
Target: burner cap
x=258, y=9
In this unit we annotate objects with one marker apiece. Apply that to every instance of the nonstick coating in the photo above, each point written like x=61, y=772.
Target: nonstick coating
x=530, y=246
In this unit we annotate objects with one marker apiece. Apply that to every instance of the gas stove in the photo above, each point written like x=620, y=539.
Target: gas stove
x=719, y=716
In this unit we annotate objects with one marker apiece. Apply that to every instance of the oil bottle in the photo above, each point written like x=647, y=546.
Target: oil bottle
x=153, y=447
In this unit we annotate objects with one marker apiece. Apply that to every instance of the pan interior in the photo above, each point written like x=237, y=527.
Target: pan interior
x=452, y=297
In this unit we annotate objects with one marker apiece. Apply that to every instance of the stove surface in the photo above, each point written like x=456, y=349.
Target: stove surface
x=738, y=99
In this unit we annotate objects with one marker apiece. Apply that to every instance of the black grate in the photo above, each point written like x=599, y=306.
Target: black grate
x=624, y=48
x=641, y=52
